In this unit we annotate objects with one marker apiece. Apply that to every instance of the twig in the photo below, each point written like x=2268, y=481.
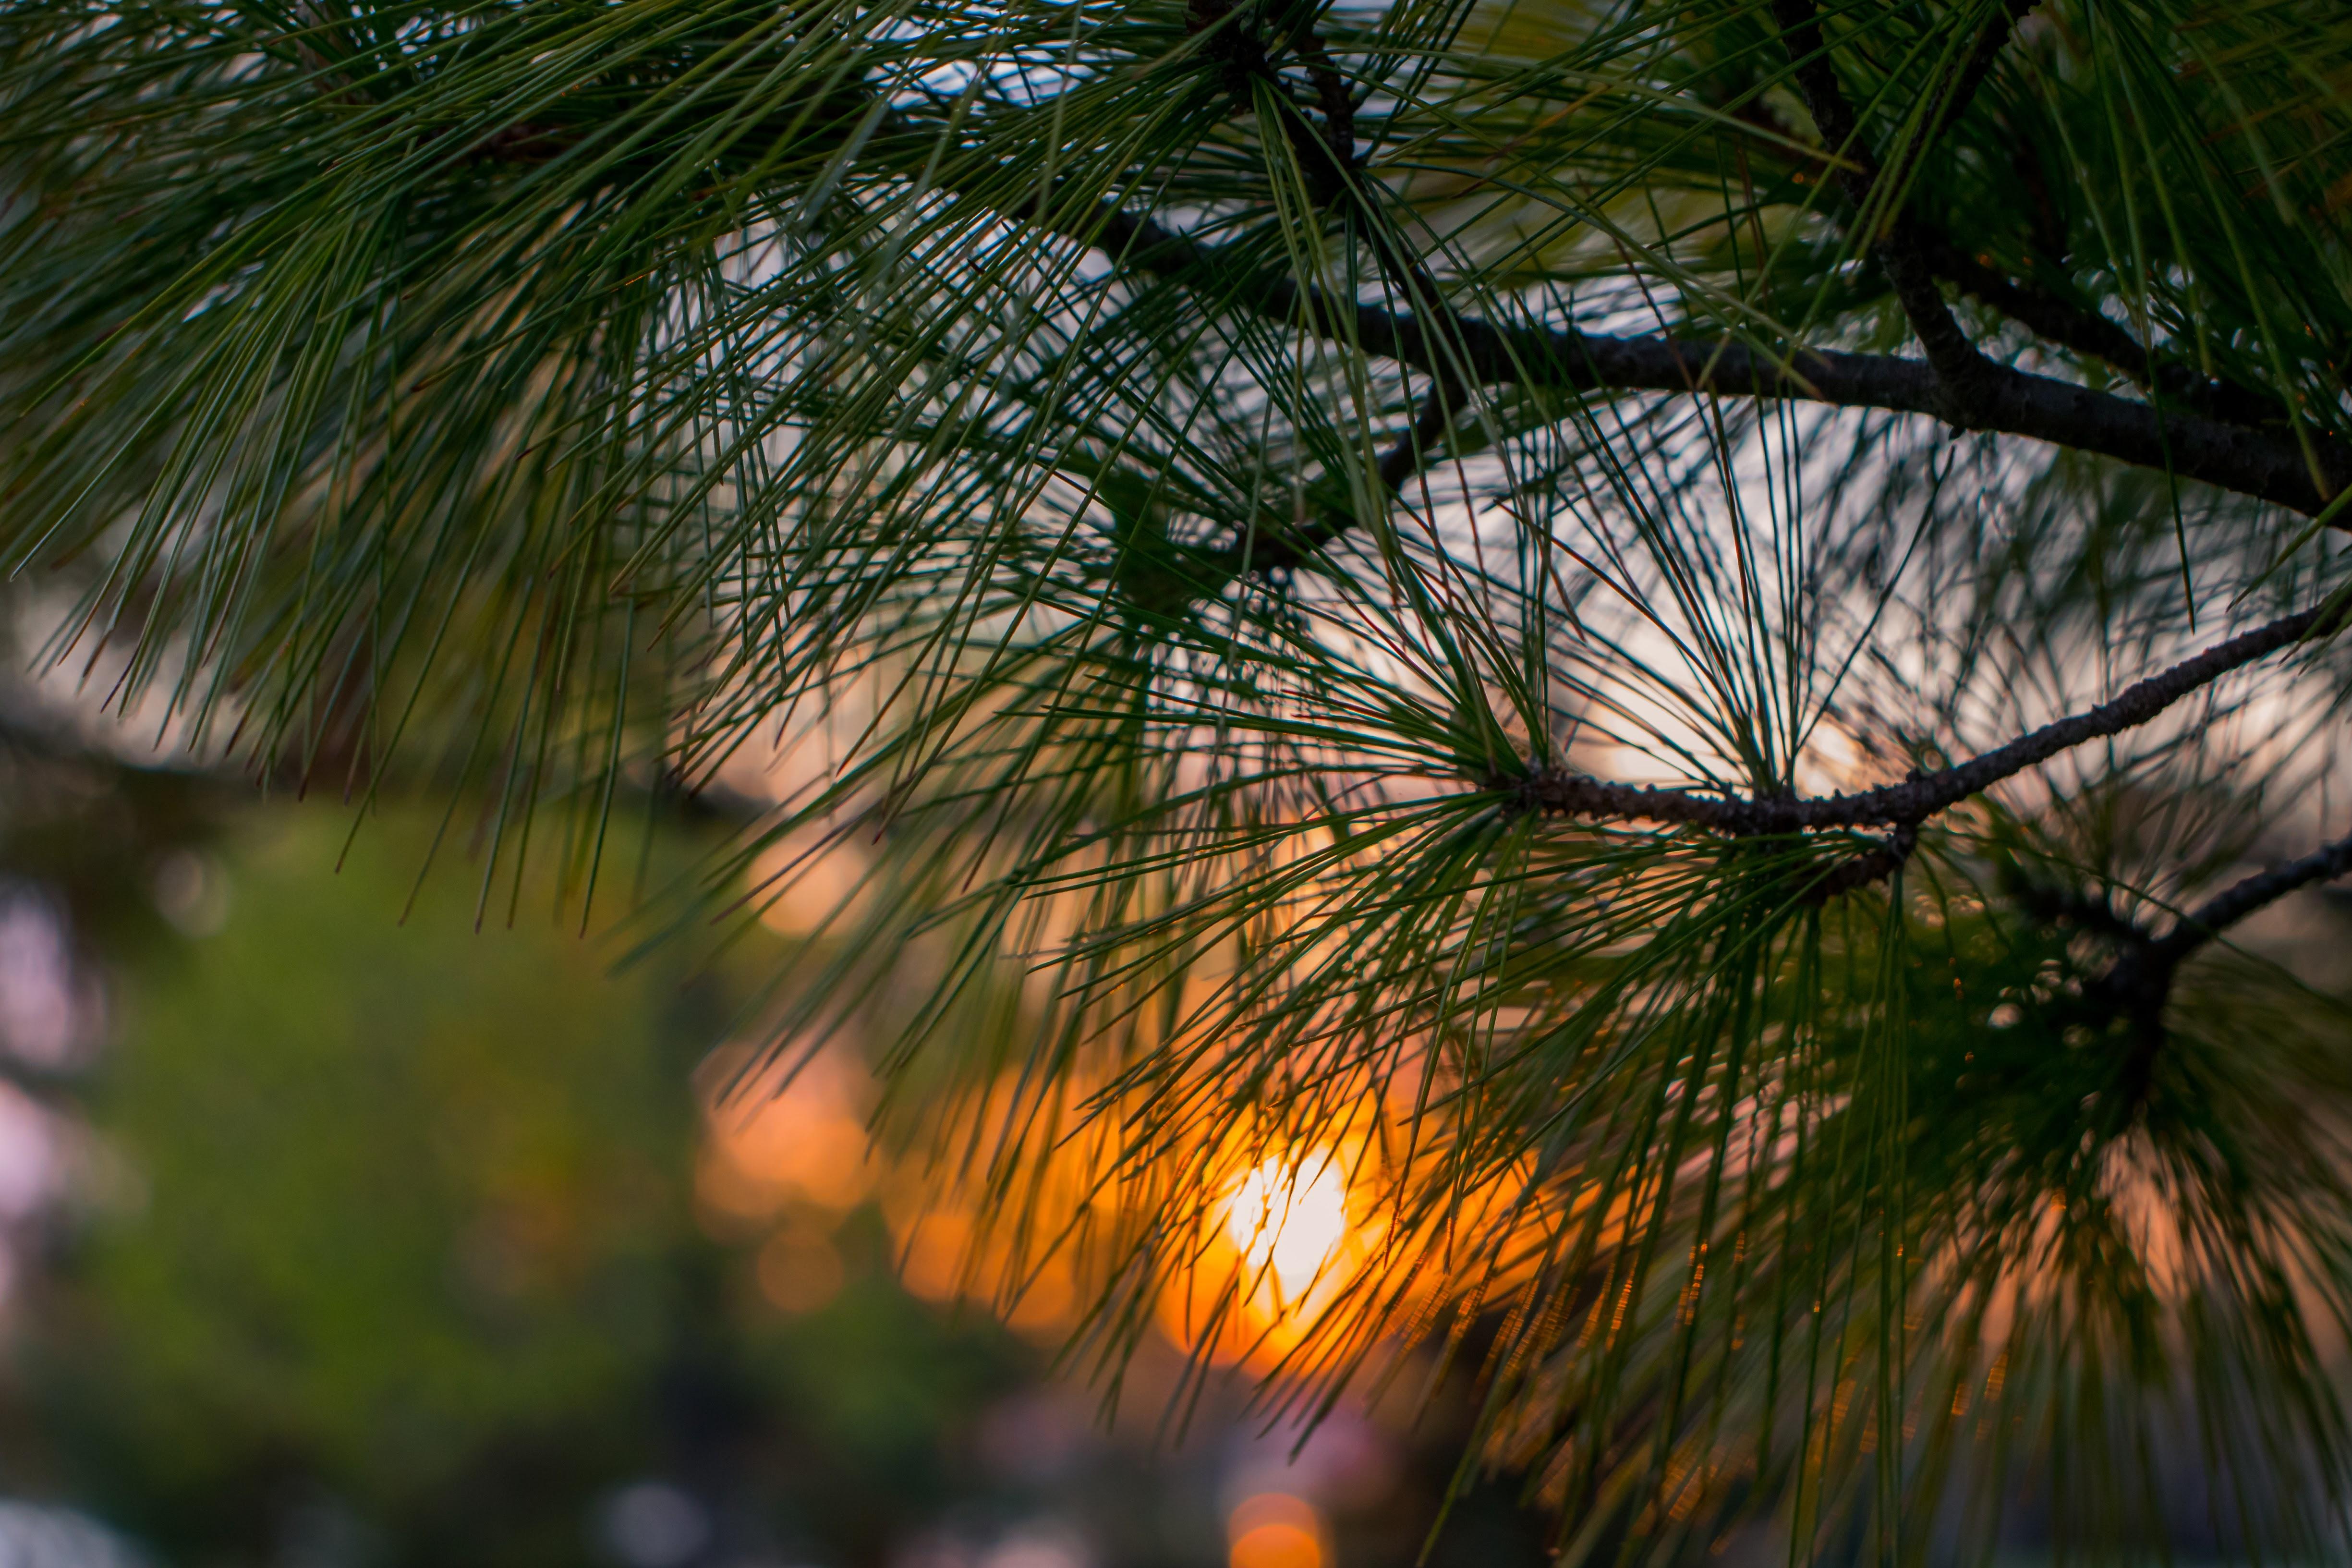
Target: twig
x=1286, y=550
x=2068, y=325
x=2235, y=903
x=1242, y=56
x=1872, y=864
x=2088, y=332
x=2138, y=985
x=1331, y=94
x=1917, y=799
x=2042, y=314
x=1981, y=59
x=1329, y=160
x=1965, y=375
x=2083, y=910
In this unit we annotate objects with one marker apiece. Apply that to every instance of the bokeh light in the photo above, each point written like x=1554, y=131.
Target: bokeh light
x=1274, y=1530
x=789, y=1134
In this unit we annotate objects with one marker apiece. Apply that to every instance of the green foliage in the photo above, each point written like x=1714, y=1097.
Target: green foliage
x=1214, y=483
x=399, y=1197
x=396, y=1219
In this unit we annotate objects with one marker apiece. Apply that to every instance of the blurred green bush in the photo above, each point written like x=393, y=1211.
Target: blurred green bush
x=391, y=1252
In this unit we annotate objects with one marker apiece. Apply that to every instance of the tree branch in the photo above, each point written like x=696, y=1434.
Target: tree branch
x=2012, y=401
x=2088, y=332
x=2055, y=320
x=1325, y=158
x=2086, y=911
x=1436, y=339
x=1338, y=105
x=1965, y=376
x=1866, y=866
x=1328, y=160
x=1912, y=254
x=1916, y=800
x=2193, y=444
x=2235, y=903
x=1981, y=61
x=2138, y=985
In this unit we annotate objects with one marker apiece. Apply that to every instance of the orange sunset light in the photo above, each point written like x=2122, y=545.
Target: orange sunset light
x=1275, y=1529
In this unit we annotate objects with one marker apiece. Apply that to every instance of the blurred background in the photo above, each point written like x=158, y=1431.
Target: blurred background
x=339, y=1231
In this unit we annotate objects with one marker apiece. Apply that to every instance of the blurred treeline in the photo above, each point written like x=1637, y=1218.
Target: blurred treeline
x=381, y=1239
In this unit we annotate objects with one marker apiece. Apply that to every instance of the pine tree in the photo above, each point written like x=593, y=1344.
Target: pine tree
x=1680, y=636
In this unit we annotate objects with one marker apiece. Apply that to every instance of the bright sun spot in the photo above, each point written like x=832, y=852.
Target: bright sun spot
x=1293, y=1215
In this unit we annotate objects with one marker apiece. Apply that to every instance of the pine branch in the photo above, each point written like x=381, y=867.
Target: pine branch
x=1242, y=56
x=1333, y=97
x=2241, y=898
x=2056, y=320
x=2086, y=911
x=2084, y=332
x=1913, y=255
x=2137, y=986
x=1981, y=59
x=1967, y=379
x=2209, y=441
x=512, y=201
x=2255, y=463
x=1917, y=799
x=1329, y=161
x=2088, y=332
x=1872, y=864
